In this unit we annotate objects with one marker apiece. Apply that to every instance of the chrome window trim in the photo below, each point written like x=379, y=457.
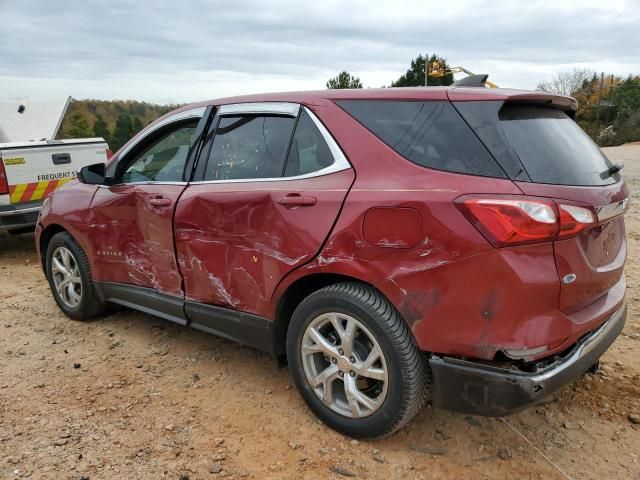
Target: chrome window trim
x=605, y=212
x=275, y=108
x=339, y=159
x=145, y=182
x=339, y=164
x=184, y=115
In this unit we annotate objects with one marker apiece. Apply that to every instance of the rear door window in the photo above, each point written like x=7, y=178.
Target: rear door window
x=249, y=147
x=309, y=151
x=430, y=134
x=552, y=147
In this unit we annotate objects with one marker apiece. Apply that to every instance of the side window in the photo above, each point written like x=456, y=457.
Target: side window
x=309, y=151
x=249, y=146
x=431, y=134
x=164, y=159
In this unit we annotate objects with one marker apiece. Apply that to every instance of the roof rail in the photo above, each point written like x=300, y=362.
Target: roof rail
x=479, y=80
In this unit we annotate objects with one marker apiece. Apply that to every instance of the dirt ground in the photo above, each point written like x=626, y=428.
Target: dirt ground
x=130, y=396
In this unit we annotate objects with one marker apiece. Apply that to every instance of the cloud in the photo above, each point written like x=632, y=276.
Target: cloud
x=177, y=52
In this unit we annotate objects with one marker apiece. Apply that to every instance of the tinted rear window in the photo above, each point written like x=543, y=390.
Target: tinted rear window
x=552, y=147
x=431, y=134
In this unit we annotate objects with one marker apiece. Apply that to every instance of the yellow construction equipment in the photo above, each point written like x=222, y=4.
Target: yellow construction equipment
x=439, y=69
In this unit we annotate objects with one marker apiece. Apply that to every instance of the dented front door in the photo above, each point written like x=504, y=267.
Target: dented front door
x=132, y=233
x=132, y=219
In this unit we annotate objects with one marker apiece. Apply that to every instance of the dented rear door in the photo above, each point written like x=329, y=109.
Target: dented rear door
x=237, y=237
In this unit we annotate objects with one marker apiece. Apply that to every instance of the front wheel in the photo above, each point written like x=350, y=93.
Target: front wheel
x=70, y=279
x=354, y=361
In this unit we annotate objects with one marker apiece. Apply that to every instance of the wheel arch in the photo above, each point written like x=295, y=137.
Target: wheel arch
x=45, y=237
x=301, y=288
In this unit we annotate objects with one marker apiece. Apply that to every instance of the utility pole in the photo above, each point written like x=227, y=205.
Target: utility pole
x=599, y=102
x=426, y=70
x=610, y=102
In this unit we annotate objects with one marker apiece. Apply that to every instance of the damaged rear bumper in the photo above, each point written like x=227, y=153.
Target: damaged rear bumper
x=476, y=388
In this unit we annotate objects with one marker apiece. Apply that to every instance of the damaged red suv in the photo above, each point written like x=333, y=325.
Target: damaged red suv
x=463, y=241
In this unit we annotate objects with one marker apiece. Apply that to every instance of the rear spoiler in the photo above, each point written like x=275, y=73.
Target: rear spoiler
x=467, y=94
x=566, y=104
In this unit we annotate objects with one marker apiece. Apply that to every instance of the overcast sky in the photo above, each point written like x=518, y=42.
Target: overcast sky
x=175, y=51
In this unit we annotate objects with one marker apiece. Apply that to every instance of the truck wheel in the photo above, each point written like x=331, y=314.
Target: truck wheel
x=354, y=361
x=70, y=279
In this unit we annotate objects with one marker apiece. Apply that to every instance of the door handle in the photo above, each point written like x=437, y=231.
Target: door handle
x=159, y=202
x=60, y=158
x=297, y=200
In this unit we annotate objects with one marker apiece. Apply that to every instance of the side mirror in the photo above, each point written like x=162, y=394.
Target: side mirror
x=95, y=174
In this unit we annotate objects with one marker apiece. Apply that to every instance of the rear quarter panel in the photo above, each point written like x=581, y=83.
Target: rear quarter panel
x=456, y=292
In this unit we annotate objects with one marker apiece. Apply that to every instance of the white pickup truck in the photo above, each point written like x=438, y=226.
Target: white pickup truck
x=30, y=171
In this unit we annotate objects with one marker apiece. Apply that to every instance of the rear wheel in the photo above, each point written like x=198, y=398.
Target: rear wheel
x=354, y=361
x=70, y=279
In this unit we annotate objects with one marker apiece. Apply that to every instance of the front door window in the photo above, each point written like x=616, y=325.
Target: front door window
x=164, y=159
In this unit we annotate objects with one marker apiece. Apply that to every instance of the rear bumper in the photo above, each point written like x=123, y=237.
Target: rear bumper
x=481, y=389
x=13, y=217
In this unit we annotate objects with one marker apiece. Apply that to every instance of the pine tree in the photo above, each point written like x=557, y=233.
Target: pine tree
x=101, y=129
x=344, y=80
x=78, y=127
x=414, y=77
x=136, y=126
x=122, y=132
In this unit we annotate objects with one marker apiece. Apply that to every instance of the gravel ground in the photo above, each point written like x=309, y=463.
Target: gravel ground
x=131, y=396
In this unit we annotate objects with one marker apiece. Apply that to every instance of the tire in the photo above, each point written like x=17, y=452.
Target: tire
x=88, y=304
x=386, y=409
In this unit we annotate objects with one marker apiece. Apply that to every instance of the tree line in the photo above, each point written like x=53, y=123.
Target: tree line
x=608, y=105
x=116, y=121
x=413, y=77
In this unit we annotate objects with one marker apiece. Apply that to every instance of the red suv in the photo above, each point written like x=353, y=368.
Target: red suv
x=465, y=241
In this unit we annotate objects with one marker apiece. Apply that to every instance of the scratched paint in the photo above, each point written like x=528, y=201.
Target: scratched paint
x=247, y=241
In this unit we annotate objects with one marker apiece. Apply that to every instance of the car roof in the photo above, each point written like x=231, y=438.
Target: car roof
x=314, y=97
x=399, y=93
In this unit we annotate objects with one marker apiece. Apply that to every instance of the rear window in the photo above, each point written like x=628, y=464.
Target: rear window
x=430, y=134
x=552, y=147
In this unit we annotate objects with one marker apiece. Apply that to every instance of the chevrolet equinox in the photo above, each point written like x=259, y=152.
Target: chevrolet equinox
x=460, y=244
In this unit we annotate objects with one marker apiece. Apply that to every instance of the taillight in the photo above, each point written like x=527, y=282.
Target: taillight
x=574, y=219
x=4, y=184
x=109, y=153
x=522, y=220
x=511, y=221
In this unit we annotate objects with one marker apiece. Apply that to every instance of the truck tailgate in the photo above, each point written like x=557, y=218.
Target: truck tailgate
x=35, y=169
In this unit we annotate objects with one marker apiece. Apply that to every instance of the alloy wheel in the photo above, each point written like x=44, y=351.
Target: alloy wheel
x=66, y=277
x=344, y=365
